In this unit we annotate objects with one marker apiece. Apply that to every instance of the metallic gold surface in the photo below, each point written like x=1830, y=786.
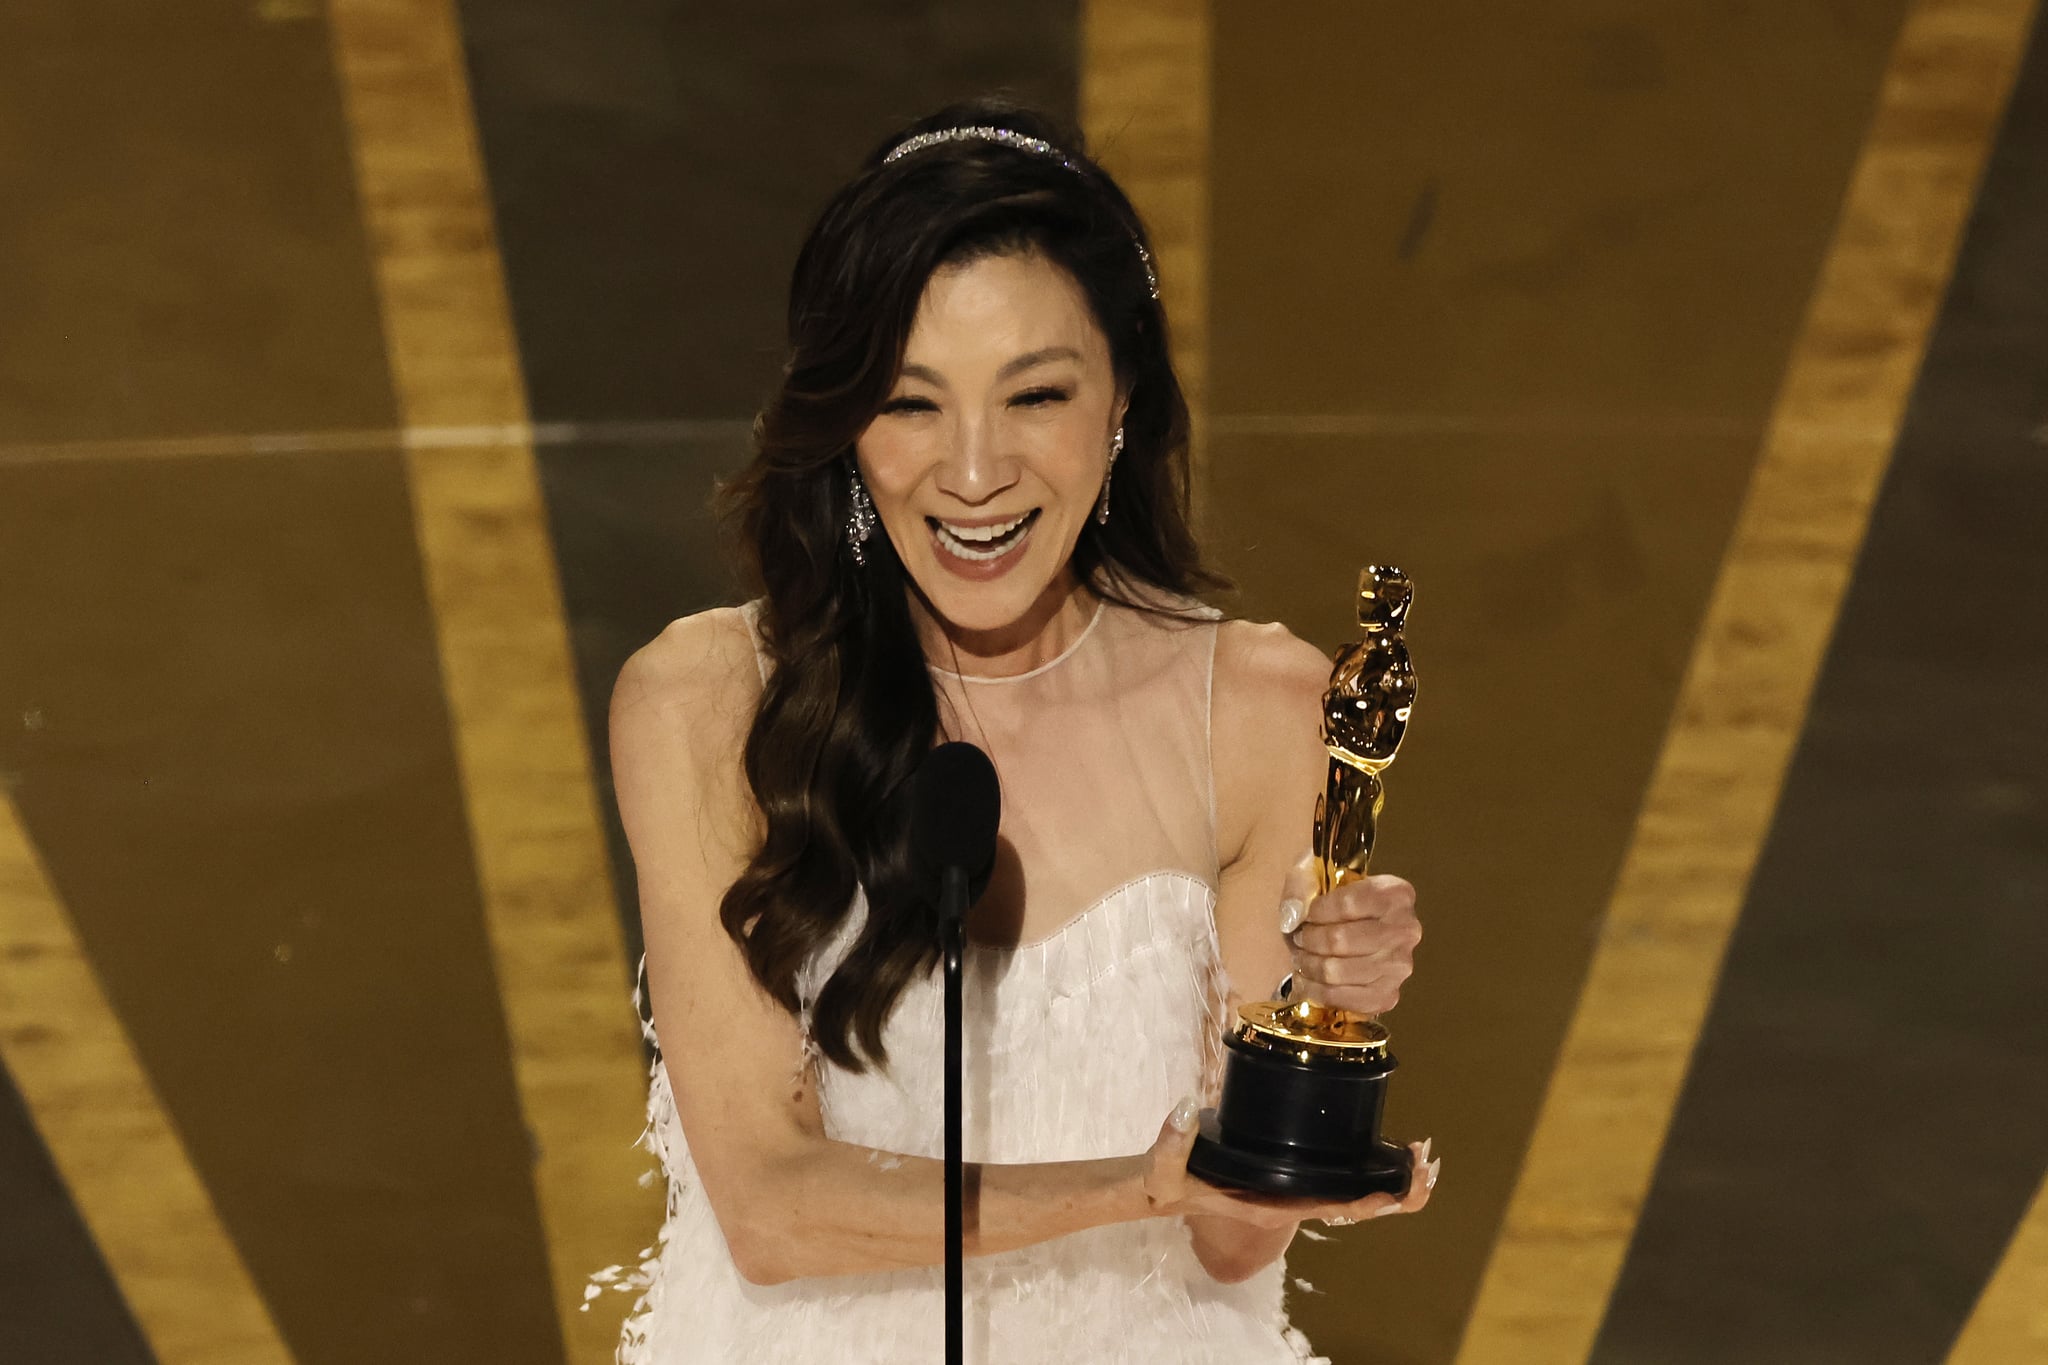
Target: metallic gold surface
x=1304, y=1029
x=1365, y=714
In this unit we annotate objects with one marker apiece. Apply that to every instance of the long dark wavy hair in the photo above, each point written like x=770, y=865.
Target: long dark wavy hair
x=849, y=709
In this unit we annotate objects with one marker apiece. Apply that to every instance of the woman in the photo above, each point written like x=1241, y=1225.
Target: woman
x=967, y=515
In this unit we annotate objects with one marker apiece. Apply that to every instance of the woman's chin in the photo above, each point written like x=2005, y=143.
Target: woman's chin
x=981, y=608
x=978, y=608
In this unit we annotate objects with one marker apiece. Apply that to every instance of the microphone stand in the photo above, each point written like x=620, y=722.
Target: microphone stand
x=952, y=940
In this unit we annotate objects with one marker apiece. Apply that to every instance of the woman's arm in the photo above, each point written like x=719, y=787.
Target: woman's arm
x=791, y=1201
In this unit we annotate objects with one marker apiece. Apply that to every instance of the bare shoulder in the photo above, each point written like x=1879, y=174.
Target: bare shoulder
x=1264, y=661
x=700, y=667
x=683, y=703
x=1266, y=735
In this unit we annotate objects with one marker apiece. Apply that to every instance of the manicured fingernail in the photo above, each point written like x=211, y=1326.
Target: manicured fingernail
x=1183, y=1117
x=1425, y=1149
x=1429, y=1173
x=1386, y=1209
x=1292, y=913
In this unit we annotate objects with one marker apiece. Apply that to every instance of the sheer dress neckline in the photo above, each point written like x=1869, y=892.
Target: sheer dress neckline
x=1054, y=662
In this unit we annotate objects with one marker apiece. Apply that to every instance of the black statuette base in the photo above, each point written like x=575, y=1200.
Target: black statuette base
x=1289, y=1127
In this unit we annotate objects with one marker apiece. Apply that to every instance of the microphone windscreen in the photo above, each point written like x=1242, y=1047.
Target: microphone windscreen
x=955, y=807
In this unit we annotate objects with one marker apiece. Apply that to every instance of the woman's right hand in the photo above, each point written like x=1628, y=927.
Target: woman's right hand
x=1170, y=1189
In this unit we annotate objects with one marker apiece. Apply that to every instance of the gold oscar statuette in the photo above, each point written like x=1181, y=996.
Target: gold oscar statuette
x=1304, y=1083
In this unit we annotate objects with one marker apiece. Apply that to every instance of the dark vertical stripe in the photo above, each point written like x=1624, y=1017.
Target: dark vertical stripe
x=653, y=168
x=1866, y=1118
x=58, y=1304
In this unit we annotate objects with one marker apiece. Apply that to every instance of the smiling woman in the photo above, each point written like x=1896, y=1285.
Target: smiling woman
x=967, y=513
x=989, y=458
x=912, y=392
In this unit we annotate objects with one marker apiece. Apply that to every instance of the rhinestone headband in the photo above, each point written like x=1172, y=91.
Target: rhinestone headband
x=1037, y=146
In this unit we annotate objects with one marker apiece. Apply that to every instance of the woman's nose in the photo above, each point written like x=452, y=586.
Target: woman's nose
x=975, y=468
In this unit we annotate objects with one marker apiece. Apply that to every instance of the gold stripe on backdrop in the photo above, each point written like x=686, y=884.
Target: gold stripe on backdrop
x=117, y=1150
x=2009, y=1325
x=1145, y=110
x=1743, y=701
x=504, y=649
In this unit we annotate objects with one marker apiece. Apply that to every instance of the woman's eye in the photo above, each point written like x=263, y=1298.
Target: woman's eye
x=1039, y=397
x=909, y=405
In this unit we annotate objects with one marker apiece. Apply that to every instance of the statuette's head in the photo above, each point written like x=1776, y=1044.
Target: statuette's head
x=1383, y=593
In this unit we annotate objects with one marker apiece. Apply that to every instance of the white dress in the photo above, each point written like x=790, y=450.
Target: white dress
x=1109, y=807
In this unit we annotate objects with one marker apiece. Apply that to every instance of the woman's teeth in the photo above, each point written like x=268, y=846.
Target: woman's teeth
x=982, y=542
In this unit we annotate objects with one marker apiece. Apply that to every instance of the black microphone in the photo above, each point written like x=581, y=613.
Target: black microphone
x=955, y=806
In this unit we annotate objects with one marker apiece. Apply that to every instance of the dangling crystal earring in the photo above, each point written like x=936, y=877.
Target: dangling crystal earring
x=1102, y=508
x=860, y=523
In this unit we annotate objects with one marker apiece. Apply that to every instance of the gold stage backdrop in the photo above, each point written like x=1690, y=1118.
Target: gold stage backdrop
x=364, y=367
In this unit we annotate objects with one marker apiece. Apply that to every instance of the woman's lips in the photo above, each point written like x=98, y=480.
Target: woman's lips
x=964, y=560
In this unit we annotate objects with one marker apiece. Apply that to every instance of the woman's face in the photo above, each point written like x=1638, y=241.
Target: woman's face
x=1000, y=422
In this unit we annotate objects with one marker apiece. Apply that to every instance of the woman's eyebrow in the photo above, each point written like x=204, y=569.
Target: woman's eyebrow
x=1022, y=362
x=1038, y=357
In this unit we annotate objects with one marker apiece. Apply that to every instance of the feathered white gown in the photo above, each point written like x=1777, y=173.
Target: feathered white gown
x=1077, y=1044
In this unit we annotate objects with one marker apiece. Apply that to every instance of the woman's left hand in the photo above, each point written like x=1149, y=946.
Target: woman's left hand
x=1355, y=945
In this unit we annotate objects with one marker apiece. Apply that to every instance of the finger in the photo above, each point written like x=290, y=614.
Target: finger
x=1378, y=896
x=1421, y=1179
x=1177, y=1133
x=1166, y=1169
x=1352, y=971
x=1422, y=1176
x=1360, y=937
x=1301, y=877
x=1356, y=999
x=1371, y=1001
x=1358, y=1210
x=1297, y=890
